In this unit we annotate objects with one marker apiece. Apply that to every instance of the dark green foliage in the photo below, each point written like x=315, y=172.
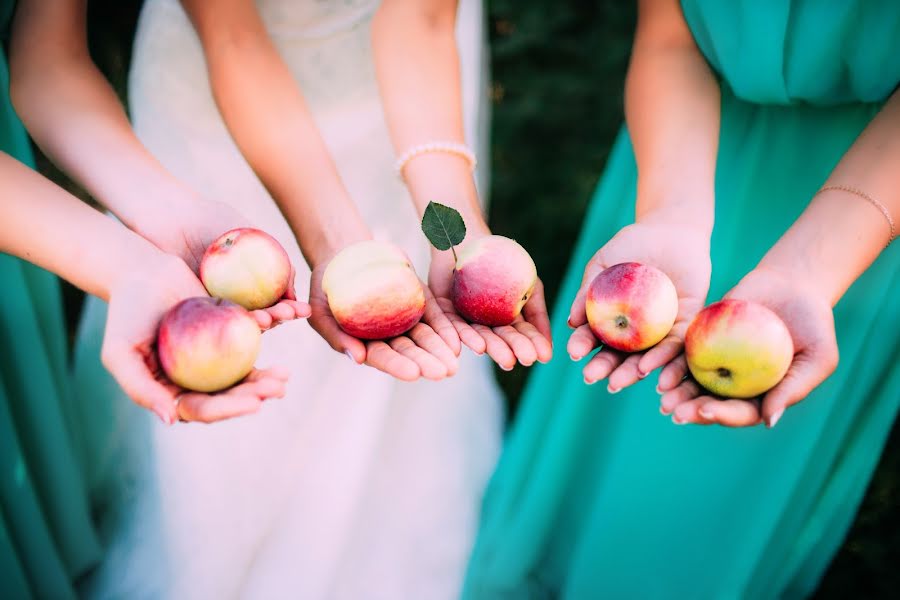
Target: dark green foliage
x=443, y=226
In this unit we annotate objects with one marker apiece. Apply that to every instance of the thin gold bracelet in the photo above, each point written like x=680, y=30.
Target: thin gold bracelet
x=867, y=198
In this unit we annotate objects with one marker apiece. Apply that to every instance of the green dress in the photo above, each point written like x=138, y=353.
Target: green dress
x=47, y=538
x=598, y=496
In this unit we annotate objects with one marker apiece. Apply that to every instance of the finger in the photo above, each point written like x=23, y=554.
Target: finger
x=660, y=355
x=467, y=335
x=427, y=339
x=280, y=373
x=577, y=314
x=129, y=368
x=496, y=348
x=535, y=312
x=541, y=344
x=581, y=342
x=625, y=374
x=302, y=310
x=672, y=374
x=729, y=413
x=263, y=319
x=261, y=387
x=809, y=369
x=518, y=343
x=601, y=365
x=204, y=408
x=429, y=366
x=384, y=358
x=685, y=392
x=434, y=316
x=283, y=311
x=337, y=338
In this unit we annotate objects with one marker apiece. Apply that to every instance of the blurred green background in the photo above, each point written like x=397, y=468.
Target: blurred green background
x=558, y=71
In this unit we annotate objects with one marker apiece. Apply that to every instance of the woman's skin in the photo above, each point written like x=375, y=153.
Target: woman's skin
x=805, y=274
x=672, y=110
x=45, y=225
x=266, y=114
x=75, y=117
x=418, y=69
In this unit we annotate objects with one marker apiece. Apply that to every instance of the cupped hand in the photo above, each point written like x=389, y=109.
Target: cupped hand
x=192, y=225
x=526, y=340
x=137, y=303
x=430, y=349
x=682, y=253
x=810, y=321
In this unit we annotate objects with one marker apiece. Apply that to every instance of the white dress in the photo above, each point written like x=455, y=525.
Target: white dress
x=354, y=485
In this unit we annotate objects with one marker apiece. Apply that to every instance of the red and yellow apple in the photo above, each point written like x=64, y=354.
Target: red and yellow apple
x=738, y=349
x=631, y=306
x=493, y=280
x=207, y=344
x=248, y=267
x=373, y=290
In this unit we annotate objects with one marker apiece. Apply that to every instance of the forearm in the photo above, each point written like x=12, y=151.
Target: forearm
x=75, y=117
x=672, y=108
x=418, y=70
x=45, y=225
x=840, y=233
x=269, y=120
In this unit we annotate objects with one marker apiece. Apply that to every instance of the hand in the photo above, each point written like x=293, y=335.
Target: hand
x=682, y=253
x=190, y=224
x=430, y=349
x=810, y=321
x=137, y=303
x=526, y=340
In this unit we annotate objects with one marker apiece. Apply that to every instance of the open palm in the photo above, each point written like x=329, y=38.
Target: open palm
x=136, y=305
x=430, y=349
x=682, y=253
x=809, y=320
x=526, y=340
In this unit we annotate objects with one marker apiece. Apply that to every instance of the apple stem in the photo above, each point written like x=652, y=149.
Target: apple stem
x=455, y=258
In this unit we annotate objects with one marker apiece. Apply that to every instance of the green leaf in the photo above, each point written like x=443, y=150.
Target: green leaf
x=443, y=226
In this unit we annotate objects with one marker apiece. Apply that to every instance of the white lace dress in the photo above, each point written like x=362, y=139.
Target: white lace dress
x=355, y=485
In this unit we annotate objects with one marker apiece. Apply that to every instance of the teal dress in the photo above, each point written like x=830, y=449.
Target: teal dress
x=598, y=496
x=47, y=537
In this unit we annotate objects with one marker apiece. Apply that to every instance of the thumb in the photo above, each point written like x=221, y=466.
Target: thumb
x=577, y=314
x=129, y=368
x=809, y=369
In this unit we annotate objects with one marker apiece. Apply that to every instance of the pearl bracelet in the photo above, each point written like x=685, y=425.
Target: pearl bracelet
x=429, y=147
x=867, y=198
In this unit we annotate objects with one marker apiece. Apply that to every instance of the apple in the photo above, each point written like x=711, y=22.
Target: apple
x=373, y=290
x=207, y=344
x=248, y=267
x=631, y=306
x=493, y=280
x=738, y=349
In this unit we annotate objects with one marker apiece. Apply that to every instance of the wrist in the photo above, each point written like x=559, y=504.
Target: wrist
x=685, y=206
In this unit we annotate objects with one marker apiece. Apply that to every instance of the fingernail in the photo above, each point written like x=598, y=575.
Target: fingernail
x=612, y=390
x=773, y=420
x=588, y=381
x=572, y=356
x=569, y=322
x=349, y=355
x=507, y=369
x=163, y=416
x=663, y=411
x=707, y=414
x=659, y=391
x=677, y=420
x=641, y=374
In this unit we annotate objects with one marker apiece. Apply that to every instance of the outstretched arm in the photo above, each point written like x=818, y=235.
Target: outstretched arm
x=418, y=69
x=265, y=111
x=672, y=112
x=807, y=271
x=43, y=224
